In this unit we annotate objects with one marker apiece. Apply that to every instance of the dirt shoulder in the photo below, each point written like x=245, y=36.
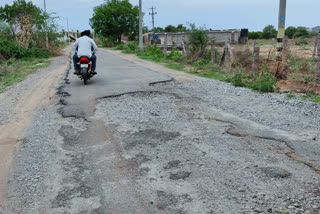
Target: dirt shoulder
x=18, y=105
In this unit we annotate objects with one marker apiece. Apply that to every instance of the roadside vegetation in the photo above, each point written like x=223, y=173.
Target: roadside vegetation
x=198, y=62
x=23, y=47
x=195, y=57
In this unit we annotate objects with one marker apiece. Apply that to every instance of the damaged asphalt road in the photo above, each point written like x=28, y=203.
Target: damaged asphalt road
x=140, y=140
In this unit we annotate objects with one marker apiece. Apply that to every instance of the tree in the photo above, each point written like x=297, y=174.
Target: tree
x=115, y=18
x=269, y=32
x=291, y=31
x=181, y=28
x=170, y=28
x=158, y=29
x=255, y=35
x=301, y=32
x=24, y=18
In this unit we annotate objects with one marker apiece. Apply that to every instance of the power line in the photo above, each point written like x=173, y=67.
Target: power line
x=153, y=13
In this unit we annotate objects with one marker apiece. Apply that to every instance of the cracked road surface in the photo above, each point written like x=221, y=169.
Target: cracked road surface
x=140, y=138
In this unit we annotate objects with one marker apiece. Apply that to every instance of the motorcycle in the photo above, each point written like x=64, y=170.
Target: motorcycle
x=85, y=68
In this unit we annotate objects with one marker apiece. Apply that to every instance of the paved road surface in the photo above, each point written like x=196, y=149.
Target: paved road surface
x=140, y=138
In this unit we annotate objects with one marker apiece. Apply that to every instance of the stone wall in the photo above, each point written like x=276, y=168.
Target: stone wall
x=221, y=37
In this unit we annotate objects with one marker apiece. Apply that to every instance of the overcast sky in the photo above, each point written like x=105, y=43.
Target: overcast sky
x=213, y=14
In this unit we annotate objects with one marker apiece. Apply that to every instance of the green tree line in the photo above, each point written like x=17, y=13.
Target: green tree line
x=270, y=32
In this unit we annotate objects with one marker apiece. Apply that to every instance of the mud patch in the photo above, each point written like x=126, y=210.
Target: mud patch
x=150, y=137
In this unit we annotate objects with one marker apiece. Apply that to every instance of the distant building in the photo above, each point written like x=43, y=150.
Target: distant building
x=220, y=36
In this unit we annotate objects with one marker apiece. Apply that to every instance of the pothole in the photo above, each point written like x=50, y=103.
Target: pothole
x=164, y=82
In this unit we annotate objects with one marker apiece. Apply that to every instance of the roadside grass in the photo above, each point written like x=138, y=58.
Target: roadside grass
x=13, y=71
x=310, y=96
x=291, y=96
x=176, y=66
x=302, y=69
x=203, y=68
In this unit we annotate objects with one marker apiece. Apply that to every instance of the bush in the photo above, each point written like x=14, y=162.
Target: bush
x=175, y=55
x=132, y=47
x=302, y=65
x=302, y=41
x=264, y=83
x=198, y=42
x=120, y=47
x=237, y=79
x=154, y=51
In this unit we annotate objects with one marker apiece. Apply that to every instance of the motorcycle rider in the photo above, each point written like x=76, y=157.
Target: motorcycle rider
x=84, y=46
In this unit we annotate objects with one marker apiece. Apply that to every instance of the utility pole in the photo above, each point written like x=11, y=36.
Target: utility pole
x=282, y=22
x=153, y=13
x=140, y=27
x=46, y=24
x=68, y=27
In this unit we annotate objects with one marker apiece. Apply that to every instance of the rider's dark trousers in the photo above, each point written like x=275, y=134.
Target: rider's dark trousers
x=76, y=59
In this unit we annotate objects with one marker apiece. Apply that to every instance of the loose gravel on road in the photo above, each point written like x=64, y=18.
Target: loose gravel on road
x=189, y=145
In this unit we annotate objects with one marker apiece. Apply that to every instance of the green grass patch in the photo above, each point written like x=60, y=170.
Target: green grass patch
x=174, y=66
x=216, y=76
x=13, y=71
x=311, y=96
x=291, y=96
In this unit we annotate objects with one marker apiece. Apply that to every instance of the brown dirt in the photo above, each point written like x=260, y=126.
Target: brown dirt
x=298, y=86
x=38, y=96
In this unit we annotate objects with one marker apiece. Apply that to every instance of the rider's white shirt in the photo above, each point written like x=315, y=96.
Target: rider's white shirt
x=84, y=45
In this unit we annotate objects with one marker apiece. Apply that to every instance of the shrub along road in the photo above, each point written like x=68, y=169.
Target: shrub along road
x=141, y=138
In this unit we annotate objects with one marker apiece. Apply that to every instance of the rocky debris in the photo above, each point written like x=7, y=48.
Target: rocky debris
x=275, y=172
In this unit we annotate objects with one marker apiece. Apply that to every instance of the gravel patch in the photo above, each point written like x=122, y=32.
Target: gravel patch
x=34, y=165
x=190, y=154
x=270, y=109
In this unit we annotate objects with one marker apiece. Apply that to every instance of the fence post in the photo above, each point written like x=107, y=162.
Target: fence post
x=230, y=52
x=165, y=49
x=213, y=52
x=184, y=52
x=255, y=59
x=315, y=48
x=318, y=63
x=226, y=58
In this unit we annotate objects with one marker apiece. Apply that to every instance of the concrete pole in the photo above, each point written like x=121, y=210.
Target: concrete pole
x=140, y=27
x=68, y=27
x=46, y=24
x=282, y=22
